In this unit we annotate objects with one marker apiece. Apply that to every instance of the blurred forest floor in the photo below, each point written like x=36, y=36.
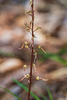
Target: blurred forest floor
x=51, y=16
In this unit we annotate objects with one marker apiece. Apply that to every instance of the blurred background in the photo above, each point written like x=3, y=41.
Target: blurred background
x=51, y=16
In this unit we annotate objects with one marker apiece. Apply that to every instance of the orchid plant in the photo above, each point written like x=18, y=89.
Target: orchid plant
x=31, y=30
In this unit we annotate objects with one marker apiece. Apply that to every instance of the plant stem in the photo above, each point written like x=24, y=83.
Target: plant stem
x=32, y=48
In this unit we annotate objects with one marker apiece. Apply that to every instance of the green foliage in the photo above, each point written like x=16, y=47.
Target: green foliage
x=25, y=88
x=42, y=95
x=34, y=95
x=62, y=51
x=49, y=93
x=54, y=56
x=44, y=98
x=11, y=93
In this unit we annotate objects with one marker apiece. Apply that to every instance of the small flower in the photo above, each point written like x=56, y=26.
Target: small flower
x=27, y=11
x=25, y=66
x=26, y=42
x=37, y=78
x=35, y=54
x=38, y=28
x=27, y=76
x=28, y=30
x=39, y=47
x=26, y=46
